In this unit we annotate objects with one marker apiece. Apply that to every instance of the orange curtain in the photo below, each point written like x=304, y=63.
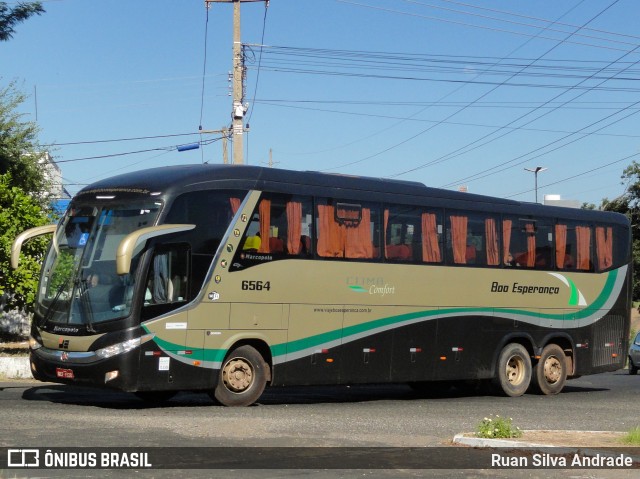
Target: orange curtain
x=357, y=238
x=506, y=240
x=235, y=204
x=493, y=255
x=265, y=225
x=561, y=245
x=330, y=235
x=583, y=255
x=459, y=239
x=531, y=245
x=430, y=244
x=604, y=247
x=294, y=227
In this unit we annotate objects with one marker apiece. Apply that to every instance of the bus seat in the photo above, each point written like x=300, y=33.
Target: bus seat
x=471, y=254
x=400, y=252
x=276, y=245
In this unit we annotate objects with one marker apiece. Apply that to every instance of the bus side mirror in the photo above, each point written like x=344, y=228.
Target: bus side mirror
x=132, y=241
x=16, y=247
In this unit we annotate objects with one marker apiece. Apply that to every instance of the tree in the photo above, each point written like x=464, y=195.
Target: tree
x=629, y=204
x=19, y=150
x=9, y=17
x=18, y=212
x=23, y=204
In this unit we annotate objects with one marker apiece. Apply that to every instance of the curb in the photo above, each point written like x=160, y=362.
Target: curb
x=15, y=367
x=465, y=439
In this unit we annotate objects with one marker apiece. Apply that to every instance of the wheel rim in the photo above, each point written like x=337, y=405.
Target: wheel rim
x=515, y=370
x=552, y=370
x=237, y=375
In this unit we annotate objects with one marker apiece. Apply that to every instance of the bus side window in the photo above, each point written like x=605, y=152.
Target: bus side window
x=167, y=282
x=280, y=228
x=573, y=246
x=472, y=239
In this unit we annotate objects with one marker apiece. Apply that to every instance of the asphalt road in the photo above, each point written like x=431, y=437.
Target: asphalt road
x=48, y=415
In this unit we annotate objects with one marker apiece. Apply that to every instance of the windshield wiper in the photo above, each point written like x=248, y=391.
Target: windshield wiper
x=86, y=308
x=50, y=309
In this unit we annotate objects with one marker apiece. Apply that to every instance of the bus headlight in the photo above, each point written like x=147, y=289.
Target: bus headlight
x=123, y=347
x=34, y=343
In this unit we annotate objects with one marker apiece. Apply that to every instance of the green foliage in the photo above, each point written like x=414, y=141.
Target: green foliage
x=633, y=437
x=9, y=17
x=496, y=427
x=18, y=212
x=629, y=205
x=19, y=150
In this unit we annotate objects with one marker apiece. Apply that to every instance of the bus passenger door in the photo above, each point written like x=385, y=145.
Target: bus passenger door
x=313, y=345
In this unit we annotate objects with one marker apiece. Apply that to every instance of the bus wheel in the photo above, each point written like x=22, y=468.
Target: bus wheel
x=514, y=370
x=242, y=378
x=550, y=373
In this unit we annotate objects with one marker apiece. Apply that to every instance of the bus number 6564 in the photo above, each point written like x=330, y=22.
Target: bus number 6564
x=256, y=285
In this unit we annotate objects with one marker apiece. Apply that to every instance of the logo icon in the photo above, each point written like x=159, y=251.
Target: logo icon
x=63, y=343
x=23, y=458
x=575, y=298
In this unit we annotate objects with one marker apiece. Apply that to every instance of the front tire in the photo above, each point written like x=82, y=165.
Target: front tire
x=242, y=379
x=514, y=370
x=632, y=368
x=550, y=374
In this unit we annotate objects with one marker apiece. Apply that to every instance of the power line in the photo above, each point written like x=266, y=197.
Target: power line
x=88, y=142
x=472, y=102
x=255, y=90
x=204, y=65
x=572, y=177
x=459, y=151
x=501, y=30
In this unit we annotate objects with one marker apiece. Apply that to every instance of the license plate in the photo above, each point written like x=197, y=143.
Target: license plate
x=64, y=373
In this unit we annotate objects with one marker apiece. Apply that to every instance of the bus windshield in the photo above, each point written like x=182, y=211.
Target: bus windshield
x=79, y=284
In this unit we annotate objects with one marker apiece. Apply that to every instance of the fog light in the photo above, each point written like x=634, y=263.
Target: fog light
x=111, y=375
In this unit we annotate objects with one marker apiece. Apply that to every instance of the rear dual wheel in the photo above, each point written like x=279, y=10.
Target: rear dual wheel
x=550, y=374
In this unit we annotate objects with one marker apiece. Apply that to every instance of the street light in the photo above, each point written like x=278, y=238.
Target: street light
x=535, y=172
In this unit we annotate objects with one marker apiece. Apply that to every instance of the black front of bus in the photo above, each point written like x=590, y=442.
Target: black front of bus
x=84, y=329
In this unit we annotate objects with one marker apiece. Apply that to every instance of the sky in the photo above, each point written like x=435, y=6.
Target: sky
x=449, y=93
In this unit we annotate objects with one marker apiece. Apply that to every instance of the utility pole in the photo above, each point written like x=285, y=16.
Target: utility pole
x=239, y=108
x=224, y=131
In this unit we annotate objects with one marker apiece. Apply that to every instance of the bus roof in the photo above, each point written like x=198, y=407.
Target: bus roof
x=169, y=181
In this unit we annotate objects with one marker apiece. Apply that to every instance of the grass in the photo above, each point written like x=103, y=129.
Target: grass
x=496, y=427
x=633, y=437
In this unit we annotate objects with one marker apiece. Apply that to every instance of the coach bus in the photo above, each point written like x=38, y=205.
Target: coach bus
x=229, y=279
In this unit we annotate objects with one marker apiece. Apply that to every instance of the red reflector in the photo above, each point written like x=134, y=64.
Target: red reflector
x=325, y=351
x=157, y=353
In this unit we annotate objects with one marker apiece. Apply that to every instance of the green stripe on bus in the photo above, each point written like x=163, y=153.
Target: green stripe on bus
x=278, y=350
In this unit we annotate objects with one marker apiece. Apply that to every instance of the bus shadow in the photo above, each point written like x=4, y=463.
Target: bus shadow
x=110, y=399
